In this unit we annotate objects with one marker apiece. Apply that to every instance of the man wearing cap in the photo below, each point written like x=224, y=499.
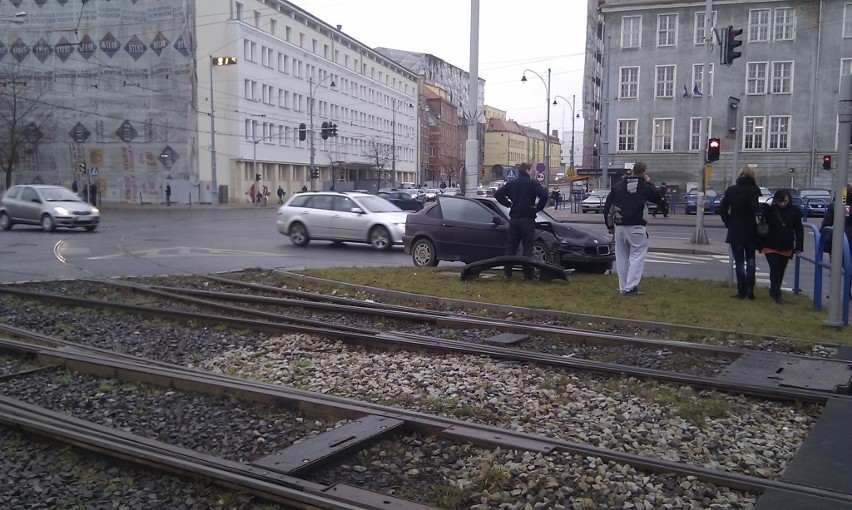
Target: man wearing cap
x=525, y=198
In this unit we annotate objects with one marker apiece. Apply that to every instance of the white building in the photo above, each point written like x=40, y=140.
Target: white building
x=124, y=88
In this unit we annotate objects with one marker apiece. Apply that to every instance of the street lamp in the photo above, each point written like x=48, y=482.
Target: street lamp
x=573, y=116
x=393, y=134
x=313, y=90
x=547, y=134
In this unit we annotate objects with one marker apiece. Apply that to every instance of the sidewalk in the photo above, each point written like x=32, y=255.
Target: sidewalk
x=713, y=227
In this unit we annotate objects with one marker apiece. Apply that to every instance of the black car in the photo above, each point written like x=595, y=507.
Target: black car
x=402, y=200
x=472, y=229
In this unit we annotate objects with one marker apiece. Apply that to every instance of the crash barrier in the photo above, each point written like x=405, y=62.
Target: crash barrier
x=820, y=263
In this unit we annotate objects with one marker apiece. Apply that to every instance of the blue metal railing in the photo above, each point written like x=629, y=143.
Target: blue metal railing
x=819, y=262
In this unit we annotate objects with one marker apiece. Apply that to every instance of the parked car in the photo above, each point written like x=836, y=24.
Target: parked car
x=470, y=229
x=817, y=206
x=431, y=194
x=341, y=217
x=766, y=195
x=48, y=206
x=402, y=199
x=594, y=201
x=692, y=201
x=815, y=193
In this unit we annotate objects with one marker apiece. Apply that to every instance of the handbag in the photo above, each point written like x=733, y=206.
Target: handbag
x=762, y=227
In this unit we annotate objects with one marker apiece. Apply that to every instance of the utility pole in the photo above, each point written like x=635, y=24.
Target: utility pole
x=471, y=149
x=700, y=235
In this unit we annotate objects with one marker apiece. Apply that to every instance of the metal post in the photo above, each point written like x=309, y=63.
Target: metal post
x=700, y=235
x=311, y=129
x=393, y=139
x=604, y=149
x=837, y=292
x=547, y=137
x=215, y=194
x=471, y=149
x=254, y=161
x=573, y=117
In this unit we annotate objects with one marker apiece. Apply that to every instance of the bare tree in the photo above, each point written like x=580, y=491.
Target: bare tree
x=22, y=119
x=379, y=153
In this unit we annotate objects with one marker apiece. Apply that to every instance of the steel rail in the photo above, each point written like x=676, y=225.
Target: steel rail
x=314, y=403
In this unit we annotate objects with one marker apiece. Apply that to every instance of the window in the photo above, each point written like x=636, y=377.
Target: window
x=631, y=32
x=273, y=26
x=267, y=94
x=283, y=98
x=466, y=211
x=627, y=135
x=785, y=24
x=753, y=135
x=756, y=78
x=282, y=62
x=665, y=82
x=779, y=132
x=249, y=130
x=266, y=55
x=758, y=25
x=257, y=19
x=663, y=134
x=847, y=20
x=249, y=50
x=288, y=33
x=699, y=26
x=667, y=30
x=251, y=89
x=238, y=13
x=629, y=83
x=782, y=77
x=695, y=144
x=698, y=79
x=845, y=66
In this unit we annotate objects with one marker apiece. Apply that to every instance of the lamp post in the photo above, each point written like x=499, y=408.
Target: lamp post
x=547, y=134
x=313, y=89
x=573, y=116
x=215, y=61
x=393, y=134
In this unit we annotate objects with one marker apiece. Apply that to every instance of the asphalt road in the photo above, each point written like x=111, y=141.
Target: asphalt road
x=157, y=240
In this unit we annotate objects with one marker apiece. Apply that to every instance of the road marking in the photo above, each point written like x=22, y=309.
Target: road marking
x=183, y=252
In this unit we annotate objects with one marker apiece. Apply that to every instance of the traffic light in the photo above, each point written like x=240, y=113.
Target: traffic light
x=314, y=174
x=256, y=177
x=333, y=129
x=325, y=131
x=303, y=132
x=730, y=44
x=714, y=146
x=826, y=162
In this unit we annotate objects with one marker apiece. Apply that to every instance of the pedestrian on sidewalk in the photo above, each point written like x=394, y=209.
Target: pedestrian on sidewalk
x=168, y=194
x=738, y=210
x=623, y=213
x=785, y=239
x=281, y=193
x=525, y=198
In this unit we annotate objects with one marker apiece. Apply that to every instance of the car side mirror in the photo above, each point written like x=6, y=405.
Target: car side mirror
x=357, y=210
x=35, y=200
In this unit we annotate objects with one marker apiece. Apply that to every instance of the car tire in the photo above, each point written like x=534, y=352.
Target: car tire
x=423, y=253
x=380, y=238
x=539, y=252
x=47, y=223
x=5, y=221
x=298, y=234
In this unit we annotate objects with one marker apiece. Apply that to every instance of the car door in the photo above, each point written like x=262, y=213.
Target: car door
x=28, y=207
x=318, y=214
x=346, y=224
x=470, y=230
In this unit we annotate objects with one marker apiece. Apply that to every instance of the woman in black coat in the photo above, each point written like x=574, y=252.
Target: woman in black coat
x=786, y=238
x=739, y=208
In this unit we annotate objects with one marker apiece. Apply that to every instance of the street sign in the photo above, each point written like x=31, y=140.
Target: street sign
x=510, y=174
x=94, y=171
x=539, y=177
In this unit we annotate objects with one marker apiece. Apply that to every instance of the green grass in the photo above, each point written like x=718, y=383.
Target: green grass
x=700, y=303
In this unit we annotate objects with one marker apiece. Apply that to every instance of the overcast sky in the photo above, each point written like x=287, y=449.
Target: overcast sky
x=513, y=36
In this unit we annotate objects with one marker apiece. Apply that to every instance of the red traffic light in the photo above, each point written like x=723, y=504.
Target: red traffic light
x=714, y=147
x=826, y=162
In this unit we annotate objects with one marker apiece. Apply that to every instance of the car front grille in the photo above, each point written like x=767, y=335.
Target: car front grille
x=601, y=249
x=81, y=213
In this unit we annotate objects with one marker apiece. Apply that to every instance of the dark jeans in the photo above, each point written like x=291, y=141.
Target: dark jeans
x=521, y=232
x=777, y=266
x=744, y=265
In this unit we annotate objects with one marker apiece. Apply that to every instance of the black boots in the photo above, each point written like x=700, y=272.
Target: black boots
x=776, y=295
x=741, y=292
x=750, y=290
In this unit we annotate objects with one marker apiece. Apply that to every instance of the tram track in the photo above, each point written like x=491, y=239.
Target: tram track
x=182, y=305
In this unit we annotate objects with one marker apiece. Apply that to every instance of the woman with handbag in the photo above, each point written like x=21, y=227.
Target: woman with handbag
x=738, y=209
x=785, y=238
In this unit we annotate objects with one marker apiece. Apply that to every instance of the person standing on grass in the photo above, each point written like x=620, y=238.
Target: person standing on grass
x=785, y=239
x=623, y=213
x=525, y=198
x=739, y=207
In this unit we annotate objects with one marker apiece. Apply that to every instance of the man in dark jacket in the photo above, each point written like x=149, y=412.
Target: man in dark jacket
x=624, y=211
x=525, y=198
x=739, y=208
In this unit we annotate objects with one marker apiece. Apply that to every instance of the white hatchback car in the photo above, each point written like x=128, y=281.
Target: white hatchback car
x=341, y=217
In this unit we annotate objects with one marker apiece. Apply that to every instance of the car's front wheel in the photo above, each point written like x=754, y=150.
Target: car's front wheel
x=5, y=221
x=423, y=253
x=539, y=252
x=298, y=234
x=47, y=223
x=380, y=238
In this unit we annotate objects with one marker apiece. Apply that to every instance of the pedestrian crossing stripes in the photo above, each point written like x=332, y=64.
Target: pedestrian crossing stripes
x=683, y=258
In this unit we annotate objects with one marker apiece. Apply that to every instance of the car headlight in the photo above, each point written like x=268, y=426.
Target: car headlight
x=61, y=211
x=95, y=210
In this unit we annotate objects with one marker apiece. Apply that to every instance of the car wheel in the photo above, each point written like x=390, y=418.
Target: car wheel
x=539, y=252
x=91, y=228
x=380, y=238
x=47, y=223
x=5, y=221
x=423, y=253
x=299, y=234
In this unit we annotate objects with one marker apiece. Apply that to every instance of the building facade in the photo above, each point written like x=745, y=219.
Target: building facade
x=646, y=90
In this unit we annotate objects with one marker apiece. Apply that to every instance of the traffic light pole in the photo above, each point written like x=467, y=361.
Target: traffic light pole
x=700, y=234
x=311, y=133
x=836, y=287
